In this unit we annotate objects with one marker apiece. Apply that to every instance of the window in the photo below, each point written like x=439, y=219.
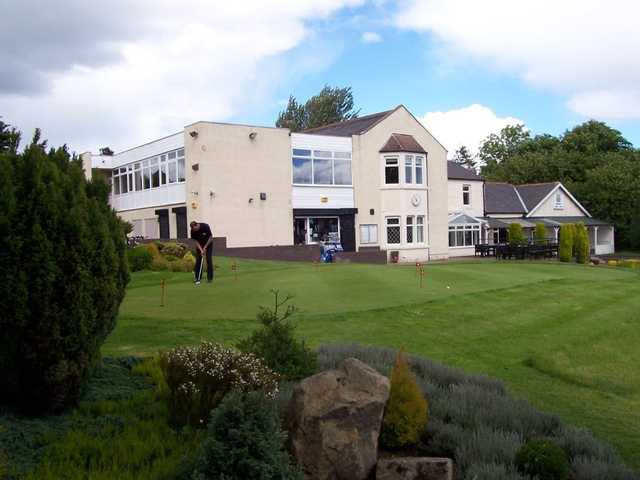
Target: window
x=408, y=169
x=322, y=174
x=466, y=195
x=558, y=204
x=368, y=234
x=150, y=173
x=391, y=171
x=420, y=229
x=393, y=230
x=321, y=167
x=419, y=170
x=464, y=235
x=409, y=228
x=155, y=173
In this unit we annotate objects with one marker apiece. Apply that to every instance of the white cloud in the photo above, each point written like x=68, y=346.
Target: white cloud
x=175, y=63
x=467, y=126
x=579, y=48
x=371, y=37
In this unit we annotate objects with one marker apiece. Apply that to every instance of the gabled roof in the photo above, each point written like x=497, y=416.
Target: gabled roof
x=400, y=142
x=455, y=171
x=502, y=198
x=555, y=186
x=355, y=126
x=533, y=193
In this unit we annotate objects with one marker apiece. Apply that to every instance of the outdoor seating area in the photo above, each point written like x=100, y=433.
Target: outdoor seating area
x=506, y=251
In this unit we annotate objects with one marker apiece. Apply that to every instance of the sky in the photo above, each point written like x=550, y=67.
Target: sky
x=122, y=73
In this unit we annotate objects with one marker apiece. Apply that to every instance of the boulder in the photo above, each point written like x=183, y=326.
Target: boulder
x=334, y=421
x=414, y=468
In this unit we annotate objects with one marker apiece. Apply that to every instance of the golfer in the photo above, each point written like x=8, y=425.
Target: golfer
x=201, y=233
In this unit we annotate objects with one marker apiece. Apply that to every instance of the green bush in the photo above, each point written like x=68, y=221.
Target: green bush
x=542, y=459
x=153, y=250
x=581, y=243
x=516, y=235
x=160, y=265
x=565, y=250
x=244, y=440
x=540, y=233
x=139, y=258
x=174, y=249
x=276, y=344
x=405, y=416
x=198, y=378
x=63, y=273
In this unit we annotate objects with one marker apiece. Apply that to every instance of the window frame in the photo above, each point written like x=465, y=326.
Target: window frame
x=558, y=201
x=466, y=191
x=137, y=176
x=389, y=225
x=313, y=156
x=396, y=165
x=461, y=231
x=369, y=227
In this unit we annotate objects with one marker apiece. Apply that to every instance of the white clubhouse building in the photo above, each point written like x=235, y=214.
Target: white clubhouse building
x=378, y=183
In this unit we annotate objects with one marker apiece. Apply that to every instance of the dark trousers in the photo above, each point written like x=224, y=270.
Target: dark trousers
x=209, y=253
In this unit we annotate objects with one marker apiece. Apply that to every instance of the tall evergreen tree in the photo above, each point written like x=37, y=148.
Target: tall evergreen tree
x=464, y=157
x=329, y=106
x=63, y=274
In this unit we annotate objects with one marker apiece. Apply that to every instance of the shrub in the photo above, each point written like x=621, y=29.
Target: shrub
x=199, y=377
x=174, y=249
x=63, y=273
x=244, y=440
x=565, y=250
x=153, y=250
x=405, y=415
x=581, y=243
x=160, y=265
x=542, y=458
x=276, y=344
x=516, y=235
x=139, y=258
x=540, y=233
x=189, y=261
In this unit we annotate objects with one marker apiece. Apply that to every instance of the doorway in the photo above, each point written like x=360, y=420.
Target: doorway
x=313, y=230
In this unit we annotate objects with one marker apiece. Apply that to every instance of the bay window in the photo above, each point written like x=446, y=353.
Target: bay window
x=419, y=170
x=409, y=227
x=420, y=229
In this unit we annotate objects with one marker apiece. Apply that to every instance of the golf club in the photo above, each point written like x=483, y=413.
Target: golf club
x=201, y=263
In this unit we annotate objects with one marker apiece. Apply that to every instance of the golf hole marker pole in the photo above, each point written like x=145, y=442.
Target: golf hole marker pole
x=421, y=275
x=234, y=267
x=162, y=289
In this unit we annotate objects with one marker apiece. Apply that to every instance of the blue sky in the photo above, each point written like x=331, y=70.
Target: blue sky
x=464, y=68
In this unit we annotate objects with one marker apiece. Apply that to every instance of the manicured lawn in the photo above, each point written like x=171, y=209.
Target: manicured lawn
x=565, y=337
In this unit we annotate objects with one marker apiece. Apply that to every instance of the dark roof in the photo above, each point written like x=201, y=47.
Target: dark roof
x=455, y=171
x=400, y=142
x=347, y=128
x=502, y=198
x=532, y=194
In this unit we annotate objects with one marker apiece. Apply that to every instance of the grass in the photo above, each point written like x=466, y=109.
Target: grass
x=564, y=337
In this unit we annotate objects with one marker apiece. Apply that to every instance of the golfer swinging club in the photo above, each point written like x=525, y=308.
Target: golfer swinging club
x=201, y=233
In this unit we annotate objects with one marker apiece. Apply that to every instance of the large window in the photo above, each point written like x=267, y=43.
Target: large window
x=150, y=173
x=466, y=195
x=369, y=234
x=393, y=230
x=391, y=171
x=464, y=235
x=414, y=228
x=321, y=167
x=310, y=230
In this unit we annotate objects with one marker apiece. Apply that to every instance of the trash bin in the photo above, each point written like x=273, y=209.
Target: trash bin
x=394, y=256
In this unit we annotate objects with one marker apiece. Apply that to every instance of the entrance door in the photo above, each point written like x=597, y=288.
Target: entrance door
x=163, y=222
x=181, y=221
x=348, y=233
x=299, y=231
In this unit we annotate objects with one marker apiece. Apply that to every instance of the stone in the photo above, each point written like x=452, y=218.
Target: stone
x=414, y=468
x=334, y=421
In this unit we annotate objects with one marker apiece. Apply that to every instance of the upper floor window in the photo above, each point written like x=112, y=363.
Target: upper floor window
x=419, y=170
x=558, y=203
x=391, y=171
x=319, y=167
x=466, y=195
x=153, y=172
x=408, y=169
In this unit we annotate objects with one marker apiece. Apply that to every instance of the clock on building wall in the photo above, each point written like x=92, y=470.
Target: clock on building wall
x=415, y=200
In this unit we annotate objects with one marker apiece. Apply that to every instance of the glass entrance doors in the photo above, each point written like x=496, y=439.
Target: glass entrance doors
x=311, y=230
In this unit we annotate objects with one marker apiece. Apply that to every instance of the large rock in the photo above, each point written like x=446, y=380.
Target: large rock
x=414, y=468
x=334, y=421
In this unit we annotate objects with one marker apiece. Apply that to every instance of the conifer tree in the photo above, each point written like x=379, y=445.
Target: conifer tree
x=565, y=251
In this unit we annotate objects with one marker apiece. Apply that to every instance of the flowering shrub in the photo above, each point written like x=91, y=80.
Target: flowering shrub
x=199, y=377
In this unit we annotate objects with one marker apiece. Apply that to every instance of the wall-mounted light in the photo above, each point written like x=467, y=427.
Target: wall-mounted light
x=212, y=194
x=251, y=200
x=253, y=135
x=195, y=167
x=193, y=134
